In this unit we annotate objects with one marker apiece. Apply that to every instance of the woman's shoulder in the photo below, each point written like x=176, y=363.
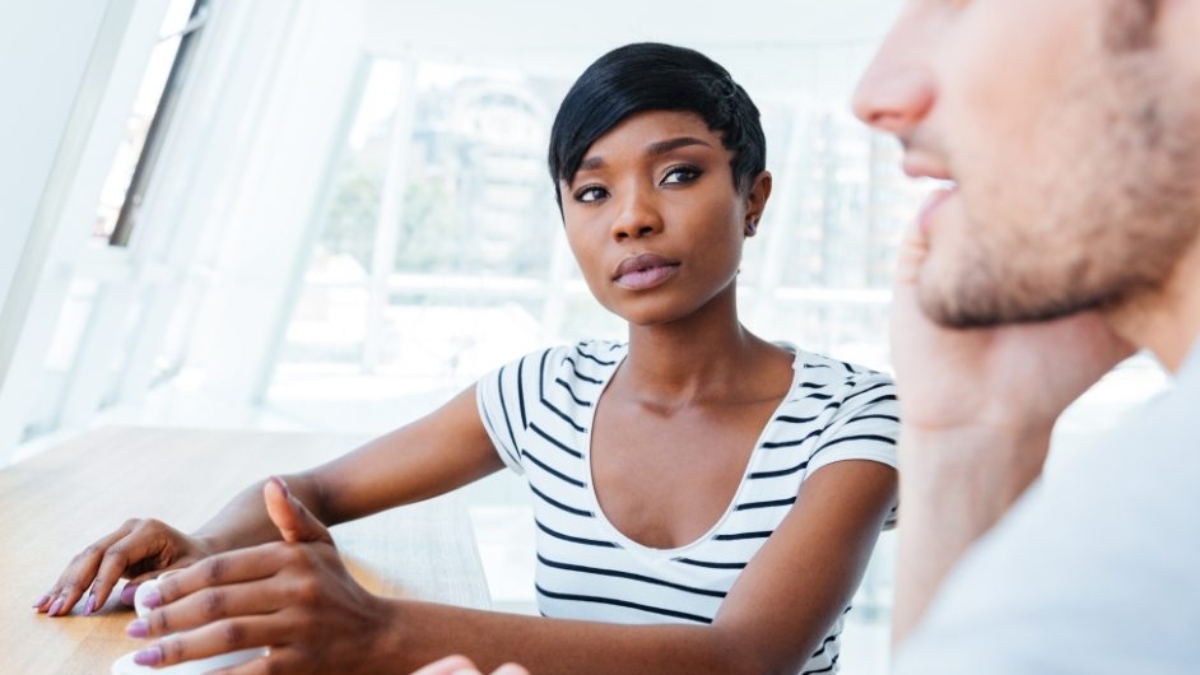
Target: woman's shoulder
x=587, y=360
x=600, y=352
x=830, y=367
x=607, y=352
x=837, y=379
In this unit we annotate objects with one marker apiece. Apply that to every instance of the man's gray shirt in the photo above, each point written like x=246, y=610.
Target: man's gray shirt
x=1095, y=571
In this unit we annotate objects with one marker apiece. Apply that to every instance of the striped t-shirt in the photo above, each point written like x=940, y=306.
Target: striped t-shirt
x=539, y=412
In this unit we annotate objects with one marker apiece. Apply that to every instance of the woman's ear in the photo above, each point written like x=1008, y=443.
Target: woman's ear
x=756, y=201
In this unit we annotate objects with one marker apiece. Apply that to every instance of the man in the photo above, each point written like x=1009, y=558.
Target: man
x=1070, y=131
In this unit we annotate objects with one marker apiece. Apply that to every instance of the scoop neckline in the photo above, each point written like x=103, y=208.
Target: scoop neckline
x=628, y=543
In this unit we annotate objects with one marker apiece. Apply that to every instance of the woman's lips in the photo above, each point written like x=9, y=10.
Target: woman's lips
x=641, y=272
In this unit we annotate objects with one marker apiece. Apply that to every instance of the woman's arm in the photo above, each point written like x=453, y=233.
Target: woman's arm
x=442, y=451
x=771, y=622
x=438, y=453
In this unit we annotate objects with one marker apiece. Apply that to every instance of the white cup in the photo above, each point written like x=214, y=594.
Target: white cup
x=126, y=666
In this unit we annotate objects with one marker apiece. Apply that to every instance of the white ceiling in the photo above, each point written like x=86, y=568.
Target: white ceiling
x=758, y=40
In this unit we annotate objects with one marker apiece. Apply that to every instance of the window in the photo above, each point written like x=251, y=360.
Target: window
x=129, y=177
x=477, y=244
x=474, y=243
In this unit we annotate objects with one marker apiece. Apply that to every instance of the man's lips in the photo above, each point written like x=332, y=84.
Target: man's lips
x=643, y=271
x=935, y=200
x=920, y=163
x=917, y=167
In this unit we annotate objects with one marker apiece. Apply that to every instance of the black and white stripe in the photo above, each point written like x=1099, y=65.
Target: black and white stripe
x=539, y=411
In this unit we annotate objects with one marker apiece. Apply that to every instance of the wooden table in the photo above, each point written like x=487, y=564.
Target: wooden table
x=58, y=502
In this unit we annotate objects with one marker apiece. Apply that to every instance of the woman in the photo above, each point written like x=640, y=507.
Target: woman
x=706, y=501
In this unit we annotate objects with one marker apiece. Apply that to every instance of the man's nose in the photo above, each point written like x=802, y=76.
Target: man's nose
x=898, y=90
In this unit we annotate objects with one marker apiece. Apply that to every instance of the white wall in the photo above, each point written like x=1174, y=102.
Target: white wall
x=267, y=232
x=45, y=48
x=245, y=162
x=759, y=41
x=76, y=65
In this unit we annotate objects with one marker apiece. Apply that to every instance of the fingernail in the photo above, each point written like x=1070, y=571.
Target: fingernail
x=58, y=604
x=148, y=657
x=41, y=601
x=282, y=486
x=153, y=599
x=138, y=628
x=127, y=594
x=91, y=604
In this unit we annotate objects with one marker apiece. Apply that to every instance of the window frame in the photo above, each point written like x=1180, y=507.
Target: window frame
x=156, y=134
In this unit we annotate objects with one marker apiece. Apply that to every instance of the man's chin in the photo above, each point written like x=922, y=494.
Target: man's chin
x=965, y=310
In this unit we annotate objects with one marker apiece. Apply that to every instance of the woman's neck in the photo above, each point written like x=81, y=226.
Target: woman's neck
x=708, y=357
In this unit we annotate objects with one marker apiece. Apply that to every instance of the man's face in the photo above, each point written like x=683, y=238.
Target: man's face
x=1072, y=139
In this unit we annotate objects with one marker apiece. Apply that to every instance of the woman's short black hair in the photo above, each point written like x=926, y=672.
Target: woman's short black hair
x=651, y=76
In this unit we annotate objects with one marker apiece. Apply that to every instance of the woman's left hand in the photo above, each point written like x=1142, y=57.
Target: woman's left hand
x=294, y=596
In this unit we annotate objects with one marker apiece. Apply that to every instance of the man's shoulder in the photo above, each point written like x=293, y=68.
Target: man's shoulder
x=1094, y=569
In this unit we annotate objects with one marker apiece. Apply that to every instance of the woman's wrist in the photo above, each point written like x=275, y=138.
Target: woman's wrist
x=209, y=543
x=387, y=650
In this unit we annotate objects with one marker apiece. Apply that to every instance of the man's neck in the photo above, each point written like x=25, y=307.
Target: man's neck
x=1167, y=320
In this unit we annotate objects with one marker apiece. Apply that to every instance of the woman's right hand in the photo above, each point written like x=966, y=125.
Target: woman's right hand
x=140, y=549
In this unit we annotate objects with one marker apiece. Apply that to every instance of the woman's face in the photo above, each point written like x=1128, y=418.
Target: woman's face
x=654, y=219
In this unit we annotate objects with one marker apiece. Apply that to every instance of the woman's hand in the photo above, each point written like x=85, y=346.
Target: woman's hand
x=461, y=665
x=295, y=597
x=139, y=550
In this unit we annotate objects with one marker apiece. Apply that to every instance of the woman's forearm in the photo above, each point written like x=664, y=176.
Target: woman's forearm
x=244, y=521
x=441, y=452
x=426, y=632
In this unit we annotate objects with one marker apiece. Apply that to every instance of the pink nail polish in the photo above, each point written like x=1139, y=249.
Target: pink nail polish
x=127, y=593
x=41, y=601
x=153, y=599
x=148, y=657
x=58, y=605
x=138, y=628
x=91, y=605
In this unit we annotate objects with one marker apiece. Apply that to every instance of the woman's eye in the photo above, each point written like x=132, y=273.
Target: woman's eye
x=592, y=193
x=681, y=174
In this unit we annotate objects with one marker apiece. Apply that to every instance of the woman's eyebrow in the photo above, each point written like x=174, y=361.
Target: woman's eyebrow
x=663, y=147
x=591, y=163
x=654, y=149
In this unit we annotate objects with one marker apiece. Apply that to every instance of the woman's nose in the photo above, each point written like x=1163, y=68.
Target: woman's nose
x=638, y=217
